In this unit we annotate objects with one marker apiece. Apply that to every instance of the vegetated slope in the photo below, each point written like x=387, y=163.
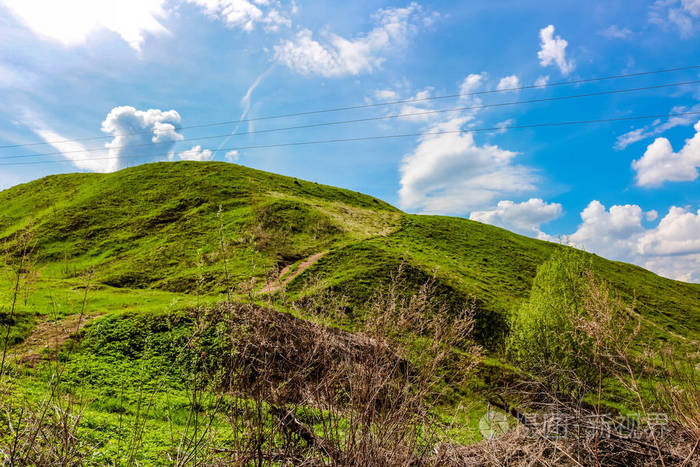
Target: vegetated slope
x=160, y=225
x=496, y=267
x=190, y=226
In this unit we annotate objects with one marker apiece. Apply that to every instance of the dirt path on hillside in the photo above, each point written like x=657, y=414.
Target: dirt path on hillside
x=285, y=277
x=48, y=335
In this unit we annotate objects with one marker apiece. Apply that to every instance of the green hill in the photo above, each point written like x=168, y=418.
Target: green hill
x=118, y=312
x=205, y=227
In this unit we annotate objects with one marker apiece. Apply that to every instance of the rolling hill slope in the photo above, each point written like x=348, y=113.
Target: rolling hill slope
x=191, y=227
x=123, y=301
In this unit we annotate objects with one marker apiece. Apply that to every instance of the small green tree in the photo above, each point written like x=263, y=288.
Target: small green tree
x=544, y=337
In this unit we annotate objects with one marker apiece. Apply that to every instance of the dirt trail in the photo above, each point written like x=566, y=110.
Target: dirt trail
x=48, y=335
x=285, y=277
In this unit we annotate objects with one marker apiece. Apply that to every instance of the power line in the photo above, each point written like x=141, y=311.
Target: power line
x=359, y=120
x=364, y=106
x=381, y=137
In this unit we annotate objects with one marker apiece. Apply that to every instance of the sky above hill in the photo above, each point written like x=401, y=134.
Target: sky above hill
x=107, y=85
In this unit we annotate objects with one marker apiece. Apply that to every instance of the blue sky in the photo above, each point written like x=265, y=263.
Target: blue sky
x=626, y=190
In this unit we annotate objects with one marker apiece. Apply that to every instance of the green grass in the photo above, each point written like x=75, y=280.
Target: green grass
x=153, y=236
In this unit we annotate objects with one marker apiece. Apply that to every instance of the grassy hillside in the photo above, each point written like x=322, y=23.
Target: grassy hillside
x=204, y=227
x=117, y=311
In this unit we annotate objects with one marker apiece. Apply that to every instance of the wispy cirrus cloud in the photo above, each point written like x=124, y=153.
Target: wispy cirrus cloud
x=679, y=15
x=657, y=127
x=334, y=55
x=616, y=32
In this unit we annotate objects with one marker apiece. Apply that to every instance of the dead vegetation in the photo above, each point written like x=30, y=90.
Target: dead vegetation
x=308, y=394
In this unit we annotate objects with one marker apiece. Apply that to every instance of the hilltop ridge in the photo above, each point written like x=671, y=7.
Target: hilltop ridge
x=203, y=227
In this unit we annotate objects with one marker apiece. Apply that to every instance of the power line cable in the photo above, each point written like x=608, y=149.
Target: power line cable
x=359, y=120
x=382, y=137
x=377, y=104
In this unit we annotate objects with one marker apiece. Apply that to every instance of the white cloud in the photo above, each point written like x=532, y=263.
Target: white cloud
x=503, y=126
x=553, y=51
x=542, y=80
x=74, y=151
x=608, y=232
x=678, y=15
x=415, y=107
x=196, y=154
x=232, y=156
x=419, y=107
x=135, y=130
x=449, y=173
x=471, y=83
x=616, y=32
x=525, y=218
x=338, y=56
x=245, y=14
x=658, y=127
x=651, y=215
x=630, y=137
x=509, y=82
x=692, y=7
x=660, y=163
x=671, y=249
x=386, y=95
x=71, y=22
x=676, y=234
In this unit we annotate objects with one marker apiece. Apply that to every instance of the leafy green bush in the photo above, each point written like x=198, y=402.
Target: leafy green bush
x=544, y=336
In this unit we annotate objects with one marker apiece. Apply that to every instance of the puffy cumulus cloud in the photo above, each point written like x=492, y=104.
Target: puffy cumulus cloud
x=471, y=84
x=71, y=22
x=676, y=234
x=525, y=218
x=338, y=56
x=661, y=164
x=682, y=268
x=449, y=173
x=245, y=14
x=196, y=154
x=553, y=51
x=671, y=249
x=508, y=83
x=135, y=131
x=232, y=156
x=608, y=232
x=658, y=126
x=679, y=15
